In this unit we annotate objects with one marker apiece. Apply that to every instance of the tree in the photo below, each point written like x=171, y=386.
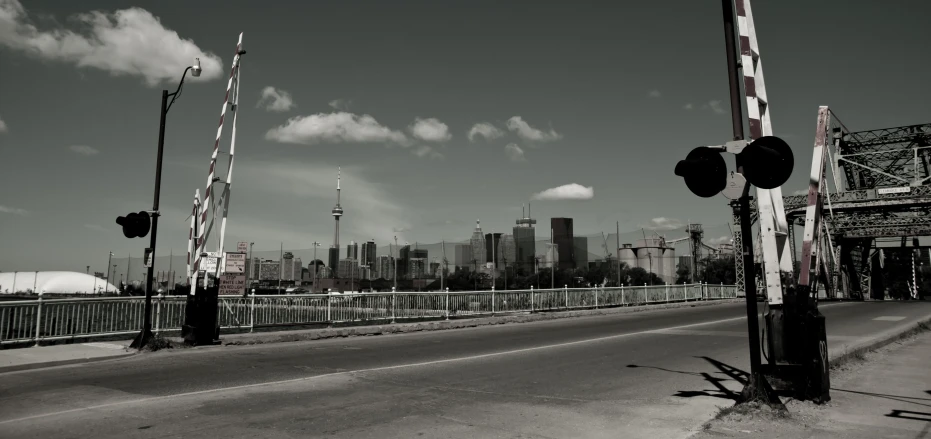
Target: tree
x=718, y=270
x=683, y=274
x=640, y=276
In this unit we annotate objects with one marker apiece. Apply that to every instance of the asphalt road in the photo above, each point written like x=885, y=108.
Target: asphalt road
x=650, y=374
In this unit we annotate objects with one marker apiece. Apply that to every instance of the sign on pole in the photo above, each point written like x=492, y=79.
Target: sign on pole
x=147, y=259
x=242, y=247
x=235, y=263
x=232, y=284
x=211, y=262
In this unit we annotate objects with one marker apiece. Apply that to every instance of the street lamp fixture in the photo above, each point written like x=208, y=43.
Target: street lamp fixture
x=146, y=334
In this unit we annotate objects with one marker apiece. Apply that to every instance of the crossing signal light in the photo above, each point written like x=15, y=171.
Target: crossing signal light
x=704, y=171
x=767, y=164
x=135, y=225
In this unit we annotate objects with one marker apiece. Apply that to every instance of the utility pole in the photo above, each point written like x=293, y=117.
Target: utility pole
x=315, y=244
x=553, y=262
x=280, y=265
x=396, y=263
x=617, y=243
x=107, y=286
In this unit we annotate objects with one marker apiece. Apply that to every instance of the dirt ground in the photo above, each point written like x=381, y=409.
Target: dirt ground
x=804, y=420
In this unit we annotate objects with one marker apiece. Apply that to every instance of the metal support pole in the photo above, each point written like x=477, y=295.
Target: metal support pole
x=146, y=332
x=38, y=319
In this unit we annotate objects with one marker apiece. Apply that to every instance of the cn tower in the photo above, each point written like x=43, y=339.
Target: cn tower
x=337, y=211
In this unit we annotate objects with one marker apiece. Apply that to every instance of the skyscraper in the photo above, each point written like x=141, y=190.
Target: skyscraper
x=384, y=267
x=403, y=262
x=492, y=248
x=563, y=238
x=478, y=247
x=337, y=213
x=368, y=254
x=463, y=256
x=333, y=261
x=524, y=241
x=580, y=251
x=352, y=251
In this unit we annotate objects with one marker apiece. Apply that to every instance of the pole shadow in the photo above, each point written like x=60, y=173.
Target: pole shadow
x=730, y=373
x=907, y=414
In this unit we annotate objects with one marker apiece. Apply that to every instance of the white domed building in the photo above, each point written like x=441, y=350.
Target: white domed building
x=54, y=283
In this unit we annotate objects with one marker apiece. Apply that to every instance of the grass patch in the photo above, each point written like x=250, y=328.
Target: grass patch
x=752, y=409
x=157, y=343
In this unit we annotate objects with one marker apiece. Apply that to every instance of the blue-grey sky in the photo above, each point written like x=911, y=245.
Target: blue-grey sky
x=604, y=95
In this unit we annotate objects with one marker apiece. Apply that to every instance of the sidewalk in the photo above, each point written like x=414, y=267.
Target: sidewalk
x=883, y=394
x=58, y=355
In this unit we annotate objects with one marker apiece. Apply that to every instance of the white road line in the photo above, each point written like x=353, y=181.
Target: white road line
x=374, y=369
x=889, y=318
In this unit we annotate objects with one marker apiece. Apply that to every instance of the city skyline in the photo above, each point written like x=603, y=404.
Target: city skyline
x=508, y=130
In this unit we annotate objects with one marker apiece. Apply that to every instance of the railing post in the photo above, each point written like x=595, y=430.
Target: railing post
x=38, y=319
x=646, y=294
x=531, y=299
x=329, y=298
x=667, y=291
x=158, y=311
x=622, y=295
x=596, y=297
x=252, y=309
x=492, y=299
x=447, y=303
x=565, y=289
x=393, y=303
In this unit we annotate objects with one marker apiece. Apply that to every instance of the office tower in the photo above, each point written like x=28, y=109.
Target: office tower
x=385, y=267
x=348, y=268
x=562, y=237
x=333, y=262
x=525, y=242
x=580, y=251
x=492, y=251
x=337, y=213
x=507, y=251
x=419, y=253
x=463, y=255
x=368, y=254
x=478, y=259
x=352, y=250
x=416, y=269
x=403, y=262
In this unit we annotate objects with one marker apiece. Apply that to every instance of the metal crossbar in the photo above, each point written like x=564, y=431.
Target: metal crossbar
x=25, y=321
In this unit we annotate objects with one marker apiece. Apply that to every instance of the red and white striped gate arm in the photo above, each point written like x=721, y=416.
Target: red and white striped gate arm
x=202, y=231
x=777, y=260
x=811, y=245
x=191, y=235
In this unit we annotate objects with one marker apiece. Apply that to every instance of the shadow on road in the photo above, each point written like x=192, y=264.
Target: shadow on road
x=906, y=414
x=908, y=399
x=720, y=391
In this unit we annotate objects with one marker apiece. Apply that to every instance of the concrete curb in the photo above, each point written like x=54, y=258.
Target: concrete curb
x=48, y=364
x=883, y=339
x=355, y=331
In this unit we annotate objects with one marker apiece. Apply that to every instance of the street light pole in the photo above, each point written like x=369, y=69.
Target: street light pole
x=146, y=333
x=109, y=260
x=316, y=244
x=396, y=263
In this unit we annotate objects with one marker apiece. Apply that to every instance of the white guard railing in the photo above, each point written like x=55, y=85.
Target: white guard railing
x=55, y=319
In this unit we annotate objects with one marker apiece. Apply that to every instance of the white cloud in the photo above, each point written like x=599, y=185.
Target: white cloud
x=486, y=130
x=527, y=132
x=275, y=100
x=430, y=130
x=341, y=104
x=688, y=106
x=800, y=192
x=655, y=93
x=572, y=191
x=717, y=241
x=306, y=183
x=663, y=223
x=13, y=210
x=84, y=149
x=126, y=42
x=335, y=128
x=514, y=152
x=426, y=151
x=96, y=227
x=3, y=127
x=715, y=106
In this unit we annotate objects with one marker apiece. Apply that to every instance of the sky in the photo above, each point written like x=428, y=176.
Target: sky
x=438, y=113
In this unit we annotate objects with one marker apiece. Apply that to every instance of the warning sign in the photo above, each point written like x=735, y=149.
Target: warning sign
x=232, y=284
x=235, y=263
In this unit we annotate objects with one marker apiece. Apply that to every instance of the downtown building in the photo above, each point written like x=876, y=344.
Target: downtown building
x=463, y=256
x=384, y=267
x=565, y=242
x=525, y=244
x=368, y=254
x=478, y=260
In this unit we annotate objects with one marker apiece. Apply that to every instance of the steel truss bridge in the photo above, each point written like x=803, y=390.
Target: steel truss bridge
x=875, y=184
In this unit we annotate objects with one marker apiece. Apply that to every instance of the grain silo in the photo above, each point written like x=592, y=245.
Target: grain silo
x=628, y=255
x=652, y=255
